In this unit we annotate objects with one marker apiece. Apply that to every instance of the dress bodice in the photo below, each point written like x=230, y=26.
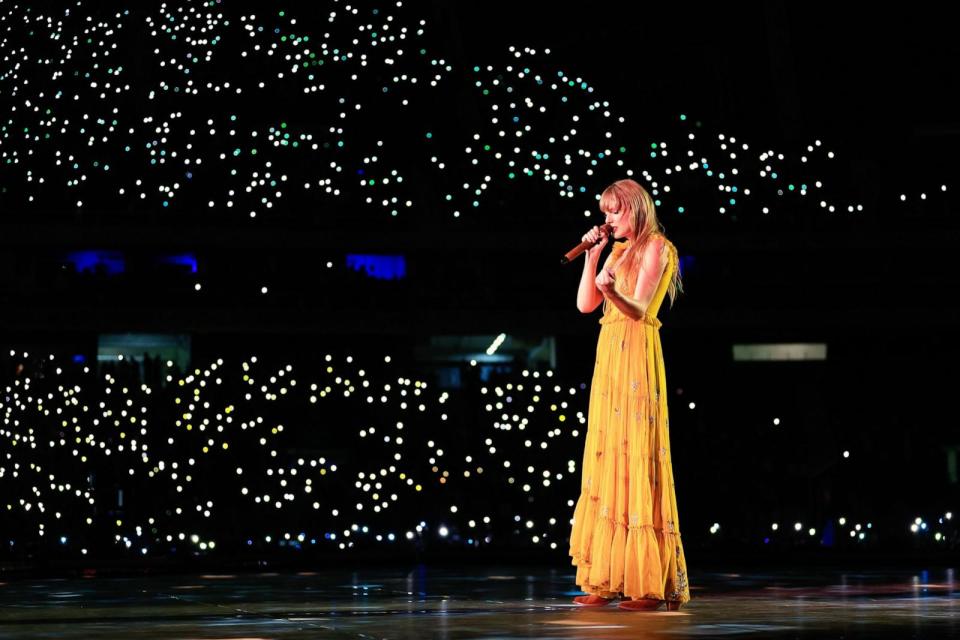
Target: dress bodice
x=626, y=275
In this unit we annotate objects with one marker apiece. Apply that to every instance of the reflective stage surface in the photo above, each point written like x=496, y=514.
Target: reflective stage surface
x=472, y=602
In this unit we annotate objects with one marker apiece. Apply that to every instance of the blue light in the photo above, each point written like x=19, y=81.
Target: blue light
x=111, y=262
x=377, y=266
x=187, y=259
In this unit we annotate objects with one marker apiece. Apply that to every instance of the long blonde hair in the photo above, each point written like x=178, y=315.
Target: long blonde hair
x=628, y=193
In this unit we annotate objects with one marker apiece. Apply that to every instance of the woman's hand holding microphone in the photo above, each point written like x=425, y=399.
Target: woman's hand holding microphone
x=593, y=235
x=605, y=280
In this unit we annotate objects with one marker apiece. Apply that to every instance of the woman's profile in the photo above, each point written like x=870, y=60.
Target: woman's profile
x=625, y=538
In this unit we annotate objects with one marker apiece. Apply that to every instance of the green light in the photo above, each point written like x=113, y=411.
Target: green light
x=429, y=135
x=486, y=147
x=791, y=187
x=511, y=175
x=653, y=146
x=623, y=149
x=683, y=117
x=679, y=209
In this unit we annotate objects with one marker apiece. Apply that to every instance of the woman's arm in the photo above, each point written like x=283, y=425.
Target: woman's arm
x=653, y=263
x=588, y=296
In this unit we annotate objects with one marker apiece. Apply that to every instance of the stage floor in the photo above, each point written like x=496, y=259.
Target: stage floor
x=488, y=602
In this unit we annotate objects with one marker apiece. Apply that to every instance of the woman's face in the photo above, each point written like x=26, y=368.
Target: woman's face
x=621, y=221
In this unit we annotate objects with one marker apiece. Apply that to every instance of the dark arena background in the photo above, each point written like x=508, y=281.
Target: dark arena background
x=288, y=351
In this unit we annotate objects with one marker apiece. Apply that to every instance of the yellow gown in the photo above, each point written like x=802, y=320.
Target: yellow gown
x=625, y=536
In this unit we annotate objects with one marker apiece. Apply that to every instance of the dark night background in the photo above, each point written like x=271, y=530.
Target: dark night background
x=877, y=286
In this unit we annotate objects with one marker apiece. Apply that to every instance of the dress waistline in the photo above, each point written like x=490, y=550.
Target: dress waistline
x=652, y=321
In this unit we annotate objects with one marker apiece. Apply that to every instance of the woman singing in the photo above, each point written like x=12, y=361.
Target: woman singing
x=625, y=539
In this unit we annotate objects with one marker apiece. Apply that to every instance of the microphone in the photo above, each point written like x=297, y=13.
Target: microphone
x=583, y=246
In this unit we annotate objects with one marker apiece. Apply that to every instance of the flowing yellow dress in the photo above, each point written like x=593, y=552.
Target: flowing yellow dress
x=625, y=535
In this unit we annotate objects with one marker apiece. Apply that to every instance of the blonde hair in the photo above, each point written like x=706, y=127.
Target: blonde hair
x=628, y=193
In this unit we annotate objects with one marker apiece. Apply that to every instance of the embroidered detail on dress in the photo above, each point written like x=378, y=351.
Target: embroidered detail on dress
x=634, y=519
x=616, y=409
x=663, y=452
x=604, y=511
x=670, y=526
x=681, y=584
x=651, y=418
x=635, y=384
